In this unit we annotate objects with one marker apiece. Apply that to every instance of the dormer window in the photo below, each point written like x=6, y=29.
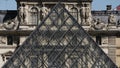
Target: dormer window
x=9, y=40
x=98, y=40
x=34, y=16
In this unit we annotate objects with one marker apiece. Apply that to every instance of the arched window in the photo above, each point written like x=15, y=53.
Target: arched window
x=74, y=12
x=34, y=16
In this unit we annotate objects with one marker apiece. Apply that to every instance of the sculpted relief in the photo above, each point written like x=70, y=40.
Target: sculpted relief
x=111, y=20
x=22, y=18
x=97, y=24
x=22, y=15
x=45, y=11
x=11, y=25
x=85, y=14
x=85, y=17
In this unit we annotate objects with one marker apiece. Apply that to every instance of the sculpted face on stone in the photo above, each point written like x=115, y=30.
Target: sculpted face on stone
x=112, y=19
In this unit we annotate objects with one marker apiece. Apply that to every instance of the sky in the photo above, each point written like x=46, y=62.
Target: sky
x=96, y=4
x=101, y=4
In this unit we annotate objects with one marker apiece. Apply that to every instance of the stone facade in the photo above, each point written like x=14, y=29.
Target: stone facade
x=103, y=26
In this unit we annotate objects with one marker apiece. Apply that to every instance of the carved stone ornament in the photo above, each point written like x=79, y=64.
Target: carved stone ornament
x=85, y=15
x=11, y=24
x=22, y=14
x=112, y=19
x=98, y=25
x=45, y=11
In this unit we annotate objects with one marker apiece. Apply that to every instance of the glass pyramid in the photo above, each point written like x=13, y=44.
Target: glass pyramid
x=59, y=42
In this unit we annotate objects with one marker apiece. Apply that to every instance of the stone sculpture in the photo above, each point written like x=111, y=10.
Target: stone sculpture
x=10, y=24
x=22, y=13
x=111, y=20
x=45, y=11
x=98, y=25
x=85, y=15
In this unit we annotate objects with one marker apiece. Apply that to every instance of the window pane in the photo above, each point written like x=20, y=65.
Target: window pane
x=9, y=40
x=34, y=16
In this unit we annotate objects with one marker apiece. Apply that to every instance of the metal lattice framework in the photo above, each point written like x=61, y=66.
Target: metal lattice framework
x=59, y=42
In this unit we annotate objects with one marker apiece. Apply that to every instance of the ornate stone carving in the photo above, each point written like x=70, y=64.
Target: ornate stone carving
x=45, y=11
x=98, y=25
x=85, y=14
x=11, y=24
x=112, y=19
x=22, y=13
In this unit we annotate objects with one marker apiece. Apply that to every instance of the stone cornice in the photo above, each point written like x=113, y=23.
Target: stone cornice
x=91, y=32
x=8, y=47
